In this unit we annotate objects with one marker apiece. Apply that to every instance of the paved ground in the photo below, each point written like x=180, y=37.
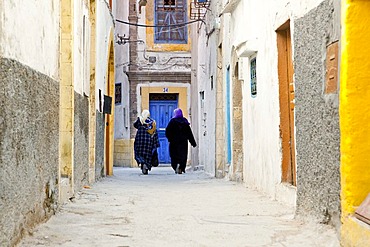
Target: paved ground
x=165, y=209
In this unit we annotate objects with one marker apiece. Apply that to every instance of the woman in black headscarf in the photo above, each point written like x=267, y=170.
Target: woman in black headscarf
x=146, y=141
x=178, y=133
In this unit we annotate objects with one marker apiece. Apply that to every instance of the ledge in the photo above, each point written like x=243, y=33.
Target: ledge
x=247, y=48
x=167, y=76
x=230, y=6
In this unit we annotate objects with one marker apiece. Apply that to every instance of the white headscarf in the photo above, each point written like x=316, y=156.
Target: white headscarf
x=144, y=115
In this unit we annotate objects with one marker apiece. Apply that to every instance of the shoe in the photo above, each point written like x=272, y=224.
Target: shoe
x=144, y=169
x=178, y=171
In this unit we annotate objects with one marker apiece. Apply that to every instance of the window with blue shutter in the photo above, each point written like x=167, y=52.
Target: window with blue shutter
x=170, y=12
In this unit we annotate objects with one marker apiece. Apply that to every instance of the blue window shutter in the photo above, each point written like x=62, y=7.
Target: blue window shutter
x=169, y=13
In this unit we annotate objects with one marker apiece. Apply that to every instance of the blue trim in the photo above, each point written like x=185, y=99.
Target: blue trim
x=253, y=73
x=228, y=116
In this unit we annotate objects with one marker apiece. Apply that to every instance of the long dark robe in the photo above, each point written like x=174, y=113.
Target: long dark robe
x=144, y=144
x=178, y=133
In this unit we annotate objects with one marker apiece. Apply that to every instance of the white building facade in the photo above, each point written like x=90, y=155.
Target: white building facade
x=245, y=50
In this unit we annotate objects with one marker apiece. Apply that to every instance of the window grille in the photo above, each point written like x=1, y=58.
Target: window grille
x=198, y=9
x=170, y=12
x=253, y=71
x=163, y=96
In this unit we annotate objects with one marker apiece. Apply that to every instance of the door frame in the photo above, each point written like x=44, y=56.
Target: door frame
x=182, y=89
x=286, y=100
x=109, y=118
x=175, y=103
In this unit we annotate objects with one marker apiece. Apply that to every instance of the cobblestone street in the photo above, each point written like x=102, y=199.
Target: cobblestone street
x=166, y=209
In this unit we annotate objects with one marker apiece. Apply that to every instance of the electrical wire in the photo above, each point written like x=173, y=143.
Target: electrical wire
x=168, y=31
x=170, y=25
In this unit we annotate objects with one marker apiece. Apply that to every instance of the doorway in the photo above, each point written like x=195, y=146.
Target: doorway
x=161, y=107
x=109, y=118
x=286, y=98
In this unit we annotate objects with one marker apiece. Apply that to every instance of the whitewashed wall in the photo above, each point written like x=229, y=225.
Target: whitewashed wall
x=206, y=110
x=104, y=28
x=121, y=114
x=32, y=36
x=81, y=45
x=252, y=27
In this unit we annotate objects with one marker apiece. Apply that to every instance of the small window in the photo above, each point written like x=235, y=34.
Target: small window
x=118, y=94
x=201, y=96
x=253, y=71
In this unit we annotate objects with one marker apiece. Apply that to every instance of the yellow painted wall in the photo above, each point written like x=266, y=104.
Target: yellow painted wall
x=123, y=153
x=355, y=118
x=182, y=100
x=109, y=119
x=151, y=46
x=66, y=109
x=92, y=110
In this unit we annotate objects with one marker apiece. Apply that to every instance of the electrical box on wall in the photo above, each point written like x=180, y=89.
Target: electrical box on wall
x=241, y=68
x=217, y=23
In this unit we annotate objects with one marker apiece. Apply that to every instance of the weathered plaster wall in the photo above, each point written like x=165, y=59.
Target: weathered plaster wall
x=122, y=125
x=121, y=116
x=31, y=36
x=317, y=118
x=194, y=100
x=28, y=148
x=104, y=29
x=204, y=95
x=261, y=138
x=104, y=35
x=81, y=40
x=99, y=146
x=81, y=141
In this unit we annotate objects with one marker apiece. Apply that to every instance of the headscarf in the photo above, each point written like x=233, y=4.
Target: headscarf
x=144, y=116
x=149, y=123
x=177, y=113
x=179, y=117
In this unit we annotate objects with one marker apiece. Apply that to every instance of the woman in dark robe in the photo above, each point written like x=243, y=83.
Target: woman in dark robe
x=146, y=141
x=178, y=133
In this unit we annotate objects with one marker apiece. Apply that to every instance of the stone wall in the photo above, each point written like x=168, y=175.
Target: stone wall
x=317, y=119
x=81, y=141
x=29, y=118
x=123, y=153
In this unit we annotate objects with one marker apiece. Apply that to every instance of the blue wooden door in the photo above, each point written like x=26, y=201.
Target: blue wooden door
x=161, y=111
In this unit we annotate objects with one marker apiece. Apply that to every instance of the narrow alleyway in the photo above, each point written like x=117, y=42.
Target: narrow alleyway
x=165, y=209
